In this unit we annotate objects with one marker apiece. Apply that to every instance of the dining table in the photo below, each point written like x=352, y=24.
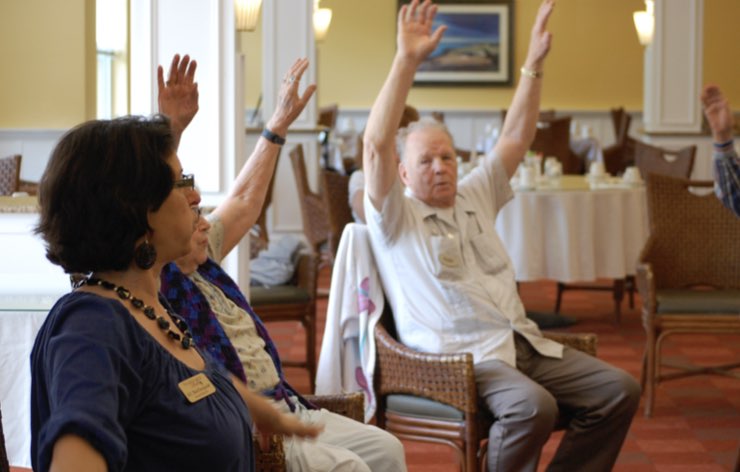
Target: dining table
x=575, y=229
x=29, y=287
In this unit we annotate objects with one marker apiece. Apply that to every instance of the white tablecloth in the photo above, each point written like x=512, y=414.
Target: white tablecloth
x=572, y=233
x=17, y=333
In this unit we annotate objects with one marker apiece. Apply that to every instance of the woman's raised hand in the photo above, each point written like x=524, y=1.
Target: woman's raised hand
x=178, y=96
x=289, y=103
x=415, y=37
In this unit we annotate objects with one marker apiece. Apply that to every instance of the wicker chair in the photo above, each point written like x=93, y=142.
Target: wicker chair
x=336, y=200
x=433, y=397
x=656, y=160
x=621, y=154
x=553, y=139
x=272, y=459
x=328, y=116
x=262, y=238
x=10, y=172
x=688, y=276
x=295, y=301
x=313, y=209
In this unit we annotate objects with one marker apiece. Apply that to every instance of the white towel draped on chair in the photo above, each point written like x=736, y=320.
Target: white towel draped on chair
x=356, y=301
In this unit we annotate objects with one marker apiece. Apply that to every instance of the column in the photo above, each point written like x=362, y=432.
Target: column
x=673, y=68
x=673, y=81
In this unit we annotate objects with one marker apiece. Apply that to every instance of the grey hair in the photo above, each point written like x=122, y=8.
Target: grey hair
x=424, y=123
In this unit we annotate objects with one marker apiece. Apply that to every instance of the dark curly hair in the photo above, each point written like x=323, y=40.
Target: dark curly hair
x=101, y=180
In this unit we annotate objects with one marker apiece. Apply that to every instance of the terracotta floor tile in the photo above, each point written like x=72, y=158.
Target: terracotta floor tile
x=671, y=445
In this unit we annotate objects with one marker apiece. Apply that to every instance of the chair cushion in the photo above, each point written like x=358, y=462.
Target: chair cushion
x=277, y=295
x=698, y=301
x=409, y=405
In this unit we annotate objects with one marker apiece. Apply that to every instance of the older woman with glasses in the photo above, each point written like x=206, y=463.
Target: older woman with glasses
x=224, y=324
x=118, y=383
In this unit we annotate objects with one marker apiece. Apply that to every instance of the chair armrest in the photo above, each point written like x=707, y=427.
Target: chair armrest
x=446, y=378
x=351, y=405
x=585, y=342
x=646, y=288
x=307, y=270
x=273, y=458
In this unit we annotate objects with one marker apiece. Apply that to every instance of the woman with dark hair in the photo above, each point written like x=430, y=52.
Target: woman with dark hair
x=117, y=381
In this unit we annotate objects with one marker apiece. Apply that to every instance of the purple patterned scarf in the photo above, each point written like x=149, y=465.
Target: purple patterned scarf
x=189, y=302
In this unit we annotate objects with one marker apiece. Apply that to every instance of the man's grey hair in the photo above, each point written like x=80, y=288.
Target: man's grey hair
x=424, y=123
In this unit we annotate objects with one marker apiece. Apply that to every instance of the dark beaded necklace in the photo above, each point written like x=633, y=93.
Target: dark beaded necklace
x=186, y=340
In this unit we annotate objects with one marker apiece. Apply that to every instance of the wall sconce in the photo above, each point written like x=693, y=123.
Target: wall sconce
x=247, y=13
x=645, y=23
x=321, y=20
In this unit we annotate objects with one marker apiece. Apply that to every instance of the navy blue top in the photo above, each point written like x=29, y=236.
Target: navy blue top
x=98, y=374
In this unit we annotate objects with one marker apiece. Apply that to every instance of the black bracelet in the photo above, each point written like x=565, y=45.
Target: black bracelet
x=723, y=145
x=272, y=137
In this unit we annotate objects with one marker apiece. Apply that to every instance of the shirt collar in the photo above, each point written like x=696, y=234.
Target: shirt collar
x=461, y=205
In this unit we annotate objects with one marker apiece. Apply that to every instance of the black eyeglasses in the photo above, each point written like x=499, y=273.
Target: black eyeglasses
x=187, y=181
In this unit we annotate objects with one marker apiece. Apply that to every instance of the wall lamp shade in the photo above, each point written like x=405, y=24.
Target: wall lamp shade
x=321, y=22
x=247, y=14
x=645, y=23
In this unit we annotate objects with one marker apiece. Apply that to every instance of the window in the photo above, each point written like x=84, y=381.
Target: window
x=111, y=37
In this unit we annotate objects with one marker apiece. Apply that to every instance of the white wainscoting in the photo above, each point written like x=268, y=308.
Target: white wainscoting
x=468, y=127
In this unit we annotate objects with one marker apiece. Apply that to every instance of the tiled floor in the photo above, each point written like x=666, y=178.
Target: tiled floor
x=696, y=422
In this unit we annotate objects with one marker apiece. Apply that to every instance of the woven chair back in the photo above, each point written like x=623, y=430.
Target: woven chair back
x=553, y=139
x=336, y=199
x=262, y=218
x=694, y=240
x=313, y=209
x=621, y=122
x=328, y=116
x=10, y=174
x=656, y=160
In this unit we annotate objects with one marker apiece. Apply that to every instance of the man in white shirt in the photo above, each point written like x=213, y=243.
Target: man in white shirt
x=451, y=284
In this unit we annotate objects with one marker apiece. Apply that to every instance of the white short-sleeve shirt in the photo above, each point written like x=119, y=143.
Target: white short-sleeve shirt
x=446, y=273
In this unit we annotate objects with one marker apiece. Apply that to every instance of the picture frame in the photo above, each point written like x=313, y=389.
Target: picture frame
x=476, y=49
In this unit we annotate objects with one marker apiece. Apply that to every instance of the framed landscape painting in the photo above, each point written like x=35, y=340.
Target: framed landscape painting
x=477, y=47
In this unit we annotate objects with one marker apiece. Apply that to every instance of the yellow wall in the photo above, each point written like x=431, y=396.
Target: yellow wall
x=48, y=78
x=721, y=42
x=596, y=61
x=251, y=46
x=47, y=52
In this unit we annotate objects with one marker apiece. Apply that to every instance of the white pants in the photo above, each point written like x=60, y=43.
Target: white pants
x=344, y=445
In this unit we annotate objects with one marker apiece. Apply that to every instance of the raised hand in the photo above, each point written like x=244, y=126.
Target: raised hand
x=178, y=96
x=415, y=37
x=718, y=113
x=539, y=43
x=289, y=103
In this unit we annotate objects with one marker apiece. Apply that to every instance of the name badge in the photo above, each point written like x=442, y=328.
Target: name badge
x=196, y=387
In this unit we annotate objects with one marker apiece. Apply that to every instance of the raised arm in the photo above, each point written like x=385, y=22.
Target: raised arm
x=726, y=161
x=718, y=113
x=521, y=119
x=242, y=207
x=415, y=41
x=178, y=96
